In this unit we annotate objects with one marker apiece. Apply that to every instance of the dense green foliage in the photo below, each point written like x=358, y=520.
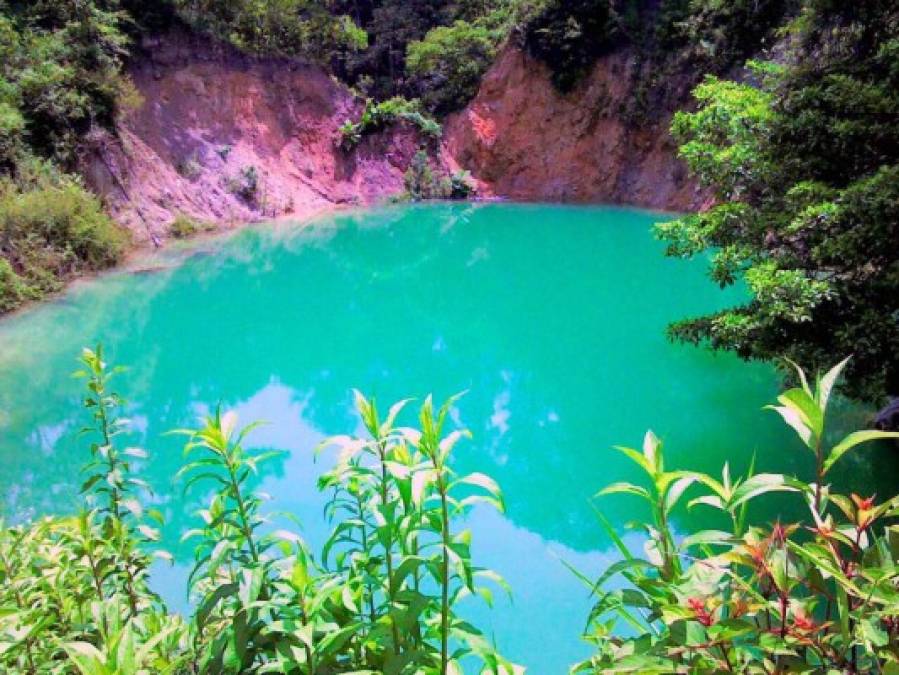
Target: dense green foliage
x=59, y=79
x=74, y=589
x=672, y=36
x=381, y=597
x=446, y=66
x=569, y=36
x=804, y=164
x=378, y=116
x=815, y=597
x=304, y=28
x=59, y=75
x=51, y=229
x=716, y=35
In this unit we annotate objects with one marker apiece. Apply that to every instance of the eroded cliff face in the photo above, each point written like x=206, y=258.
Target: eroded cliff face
x=524, y=140
x=209, y=115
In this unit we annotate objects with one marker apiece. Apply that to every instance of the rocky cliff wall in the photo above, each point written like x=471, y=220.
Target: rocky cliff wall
x=210, y=115
x=524, y=140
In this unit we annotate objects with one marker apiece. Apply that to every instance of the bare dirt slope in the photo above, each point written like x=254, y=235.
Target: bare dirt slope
x=209, y=114
x=524, y=140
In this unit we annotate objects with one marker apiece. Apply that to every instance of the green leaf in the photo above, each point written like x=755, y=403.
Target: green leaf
x=652, y=447
x=826, y=384
x=851, y=441
x=806, y=407
x=403, y=570
x=802, y=378
x=706, y=537
x=871, y=634
x=87, y=658
x=792, y=417
x=211, y=600
x=760, y=484
x=627, y=488
x=391, y=416
x=638, y=458
x=480, y=480
x=677, y=489
x=626, y=565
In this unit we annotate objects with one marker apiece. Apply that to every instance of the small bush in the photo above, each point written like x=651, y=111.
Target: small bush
x=13, y=289
x=189, y=168
x=184, y=226
x=421, y=183
x=245, y=185
x=378, y=116
x=460, y=186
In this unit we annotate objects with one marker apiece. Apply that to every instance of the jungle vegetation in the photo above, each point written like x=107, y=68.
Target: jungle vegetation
x=380, y=596
x=802, y=158
x=800, y=151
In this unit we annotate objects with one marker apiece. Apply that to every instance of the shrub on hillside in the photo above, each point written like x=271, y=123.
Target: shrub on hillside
x=245, y=185
x=51, y=229
x=422, y=184
x=378, y=116
x=291, y=28
x=184, y=226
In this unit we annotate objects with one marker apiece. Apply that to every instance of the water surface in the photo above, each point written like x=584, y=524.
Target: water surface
x=552, y=318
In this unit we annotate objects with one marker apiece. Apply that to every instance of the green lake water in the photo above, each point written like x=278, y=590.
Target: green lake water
x=552, y=317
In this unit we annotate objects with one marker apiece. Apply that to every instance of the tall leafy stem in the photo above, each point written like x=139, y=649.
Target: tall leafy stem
x=380, y=432
x=229, y=573
x=111, y=478
x=409, y=470
x=806, y=411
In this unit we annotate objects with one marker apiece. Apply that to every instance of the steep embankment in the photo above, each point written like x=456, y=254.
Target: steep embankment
x=211, y=118
x=524, y=140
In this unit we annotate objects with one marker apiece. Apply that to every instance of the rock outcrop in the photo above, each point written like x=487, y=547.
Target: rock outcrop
x=524, y=140
x=227, y=138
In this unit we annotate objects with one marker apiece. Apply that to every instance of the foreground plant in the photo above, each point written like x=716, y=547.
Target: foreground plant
x=818, y=597
x=74, y=591
x=395, y=499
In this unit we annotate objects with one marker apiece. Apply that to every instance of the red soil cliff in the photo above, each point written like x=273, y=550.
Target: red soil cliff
x=209, y=114
x=524, y=140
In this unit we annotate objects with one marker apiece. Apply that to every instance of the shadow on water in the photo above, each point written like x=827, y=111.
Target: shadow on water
x=552, y=318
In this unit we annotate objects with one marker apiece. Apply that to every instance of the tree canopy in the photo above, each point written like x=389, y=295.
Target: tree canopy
x=803, y=161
